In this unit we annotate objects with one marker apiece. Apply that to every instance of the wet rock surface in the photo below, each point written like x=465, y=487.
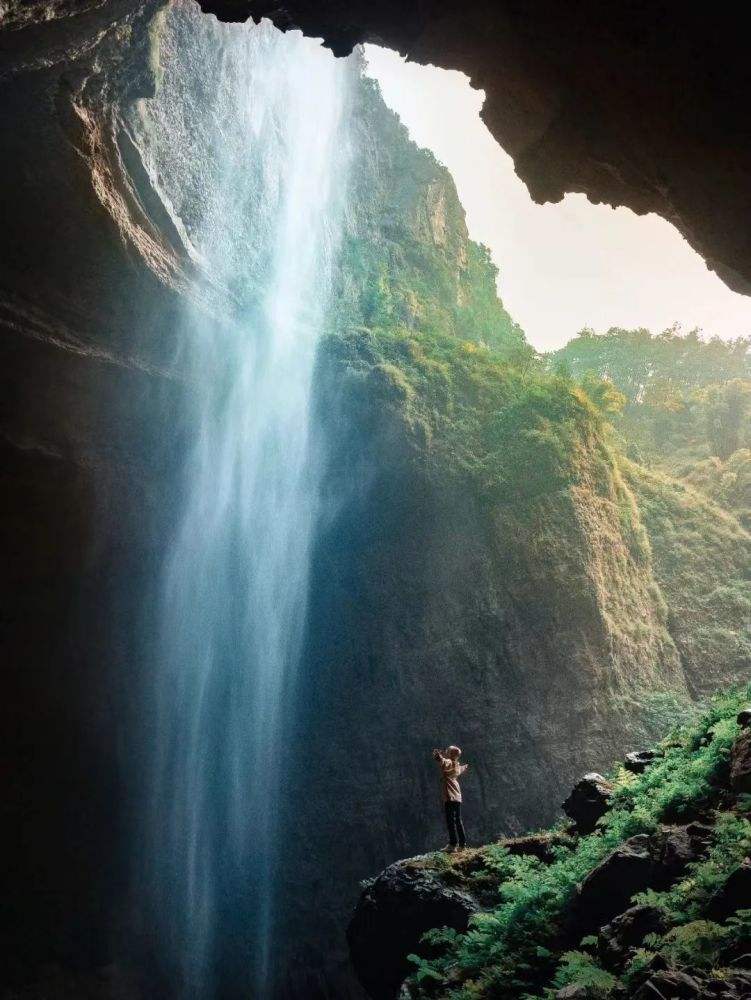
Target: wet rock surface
x=641, y=862
x=740, y=764
x=675, y=848
x=617, y=939
x=639, y=760
x=608, y=888
x=588, y=801
x=735, y=894
x=393, y=912
x=677, y=985
x=669, y=986
x=575, y=992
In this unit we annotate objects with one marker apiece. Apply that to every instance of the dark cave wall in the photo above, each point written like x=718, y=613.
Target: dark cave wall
x=429, y=624
x=84, y=366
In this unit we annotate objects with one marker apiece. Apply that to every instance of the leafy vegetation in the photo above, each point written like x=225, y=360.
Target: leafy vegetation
x=522, y=947
x=407, y=261
x=537, y=449
x=700, y=558
x=685, y=399
x=518, y=434
x=637, y=361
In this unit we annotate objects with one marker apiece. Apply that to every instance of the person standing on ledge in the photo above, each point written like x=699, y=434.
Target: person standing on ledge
x=451, y=771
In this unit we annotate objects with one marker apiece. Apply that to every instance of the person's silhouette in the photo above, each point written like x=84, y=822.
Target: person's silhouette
x=451, y=771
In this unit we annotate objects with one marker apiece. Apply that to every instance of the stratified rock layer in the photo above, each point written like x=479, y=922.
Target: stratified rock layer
x=640, y=105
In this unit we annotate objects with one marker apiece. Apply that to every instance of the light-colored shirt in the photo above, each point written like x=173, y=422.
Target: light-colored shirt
x=451, y=770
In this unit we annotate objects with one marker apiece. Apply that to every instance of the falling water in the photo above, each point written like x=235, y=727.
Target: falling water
x=245, y=143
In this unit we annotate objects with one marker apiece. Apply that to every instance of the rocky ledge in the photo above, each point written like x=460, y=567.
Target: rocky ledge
x=411, y=897
x=653, y=893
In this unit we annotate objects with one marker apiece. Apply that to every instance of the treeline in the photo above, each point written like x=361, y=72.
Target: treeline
x=678, y=398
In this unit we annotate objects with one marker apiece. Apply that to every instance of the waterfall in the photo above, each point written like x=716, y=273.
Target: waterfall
x=245, y=143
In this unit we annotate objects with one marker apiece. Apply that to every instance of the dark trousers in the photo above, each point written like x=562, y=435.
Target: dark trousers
x=455, y=825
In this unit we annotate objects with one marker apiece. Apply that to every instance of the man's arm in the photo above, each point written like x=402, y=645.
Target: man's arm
x=443, y=761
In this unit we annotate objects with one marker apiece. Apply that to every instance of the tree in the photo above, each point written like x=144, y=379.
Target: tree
x=603, y=394
x=727, y=407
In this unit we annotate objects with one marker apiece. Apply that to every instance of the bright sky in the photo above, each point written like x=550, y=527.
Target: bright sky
x=562, y=266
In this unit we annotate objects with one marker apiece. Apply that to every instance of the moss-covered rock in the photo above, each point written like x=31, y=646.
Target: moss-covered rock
x=406, y=257
x=537, y=939
x=701, y=556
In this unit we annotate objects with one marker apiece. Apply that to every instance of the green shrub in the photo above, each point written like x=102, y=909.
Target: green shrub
x=577, y=968
x=509, y=951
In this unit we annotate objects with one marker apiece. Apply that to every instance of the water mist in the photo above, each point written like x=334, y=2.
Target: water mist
x=245, y=143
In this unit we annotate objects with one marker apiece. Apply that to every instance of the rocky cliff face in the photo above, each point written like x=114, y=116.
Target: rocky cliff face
x=88, y=296
x=629, y=107
x=94, y=278
x=407, y=260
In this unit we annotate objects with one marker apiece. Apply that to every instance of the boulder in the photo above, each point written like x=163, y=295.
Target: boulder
x=627, y=931
x=674, y=848
x=638, y=761
x=575, y=992
x=741, y=982
x=655, y=964
x=608, y=888
x=735, y=986
x=734, y=895
x=740, y=763
x=737, y=952
x=588, y=801
x=537, y=845
x=393, y=912
x=669, y=985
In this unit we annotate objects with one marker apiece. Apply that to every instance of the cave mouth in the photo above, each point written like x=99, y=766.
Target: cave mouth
x=564, y=266
x=308, y=487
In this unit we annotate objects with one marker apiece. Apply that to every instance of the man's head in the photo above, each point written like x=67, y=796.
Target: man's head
x=453, y=753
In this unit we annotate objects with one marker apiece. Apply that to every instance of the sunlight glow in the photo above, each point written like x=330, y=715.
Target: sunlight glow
x=564, y=266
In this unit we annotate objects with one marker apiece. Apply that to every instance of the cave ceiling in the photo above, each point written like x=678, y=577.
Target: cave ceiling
x=633, y=103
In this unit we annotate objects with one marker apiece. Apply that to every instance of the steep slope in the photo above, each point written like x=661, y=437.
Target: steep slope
x=407, y=260
x=650, y=905
x=685, y=426
x=701, y=557
x=484, y=578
